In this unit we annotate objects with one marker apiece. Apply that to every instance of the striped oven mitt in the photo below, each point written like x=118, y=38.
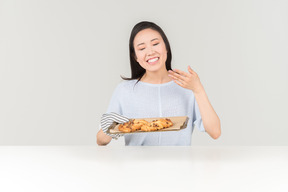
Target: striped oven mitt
x=107, y=120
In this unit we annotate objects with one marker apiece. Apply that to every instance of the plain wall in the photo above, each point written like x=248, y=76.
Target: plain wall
x=61, y=60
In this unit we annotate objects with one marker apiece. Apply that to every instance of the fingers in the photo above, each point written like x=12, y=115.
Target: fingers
x=190, y=70
x=184, y=79
x=179, y=82
x=177, y=74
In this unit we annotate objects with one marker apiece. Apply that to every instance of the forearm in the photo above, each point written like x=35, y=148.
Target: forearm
x=210, y=119
x=102, y=138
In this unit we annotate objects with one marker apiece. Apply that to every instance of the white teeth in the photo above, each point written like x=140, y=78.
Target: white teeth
x=153, y=60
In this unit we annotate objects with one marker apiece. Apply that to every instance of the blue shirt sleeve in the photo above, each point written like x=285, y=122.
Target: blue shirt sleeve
x=114, y=104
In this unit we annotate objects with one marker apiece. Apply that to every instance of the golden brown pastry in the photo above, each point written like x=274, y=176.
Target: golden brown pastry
x=137, y=125
x=166, y=122
x=148, y=128
x=126, y=127
x=157, y=125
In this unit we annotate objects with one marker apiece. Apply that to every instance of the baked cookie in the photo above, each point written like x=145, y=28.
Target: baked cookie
x=137, y=124
x=126, y=127
x=142, y=125
x=156, y=125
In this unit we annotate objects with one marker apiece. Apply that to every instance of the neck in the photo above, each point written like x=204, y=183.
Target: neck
x=157, y=77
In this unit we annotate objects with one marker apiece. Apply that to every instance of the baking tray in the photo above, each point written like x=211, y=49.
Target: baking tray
x=179, y=123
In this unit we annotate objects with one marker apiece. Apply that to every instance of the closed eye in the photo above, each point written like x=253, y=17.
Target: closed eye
x=153, y=45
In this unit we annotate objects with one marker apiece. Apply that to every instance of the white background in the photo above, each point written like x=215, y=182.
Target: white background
x=143, y=168
x=61, y=60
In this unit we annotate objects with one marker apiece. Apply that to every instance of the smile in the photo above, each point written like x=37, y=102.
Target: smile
x=153, y=60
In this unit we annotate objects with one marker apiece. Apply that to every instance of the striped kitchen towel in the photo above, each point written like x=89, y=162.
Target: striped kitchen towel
x=107, y=120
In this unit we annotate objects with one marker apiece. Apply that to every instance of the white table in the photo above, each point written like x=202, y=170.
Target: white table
x=110, y=168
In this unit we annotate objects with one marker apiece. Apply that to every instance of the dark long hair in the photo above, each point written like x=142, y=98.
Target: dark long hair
x=137, y=71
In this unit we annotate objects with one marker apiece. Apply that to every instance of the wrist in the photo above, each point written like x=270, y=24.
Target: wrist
x=199, y=90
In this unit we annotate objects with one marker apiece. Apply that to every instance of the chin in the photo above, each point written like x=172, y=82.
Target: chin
x=153, y=69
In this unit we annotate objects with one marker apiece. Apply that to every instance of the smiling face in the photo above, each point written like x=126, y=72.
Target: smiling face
x=150, y=50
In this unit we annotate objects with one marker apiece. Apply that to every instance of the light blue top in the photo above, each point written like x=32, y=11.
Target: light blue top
x=145, y=100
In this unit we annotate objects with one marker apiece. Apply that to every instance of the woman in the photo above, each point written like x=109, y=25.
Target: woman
x=155, y=90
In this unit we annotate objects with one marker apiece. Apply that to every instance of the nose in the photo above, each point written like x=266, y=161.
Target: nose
x=150, y=50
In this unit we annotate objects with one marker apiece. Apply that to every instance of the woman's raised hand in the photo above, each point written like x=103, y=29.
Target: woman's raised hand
x=186, y=80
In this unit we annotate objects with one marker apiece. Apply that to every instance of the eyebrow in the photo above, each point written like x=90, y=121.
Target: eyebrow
x=143, y=43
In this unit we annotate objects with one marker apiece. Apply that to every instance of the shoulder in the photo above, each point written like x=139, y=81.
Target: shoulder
x=125, y=85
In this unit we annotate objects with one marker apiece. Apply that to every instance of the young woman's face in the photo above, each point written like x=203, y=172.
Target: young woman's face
x=150, y=50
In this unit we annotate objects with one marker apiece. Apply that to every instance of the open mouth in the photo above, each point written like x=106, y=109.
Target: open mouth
x=153, y=60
